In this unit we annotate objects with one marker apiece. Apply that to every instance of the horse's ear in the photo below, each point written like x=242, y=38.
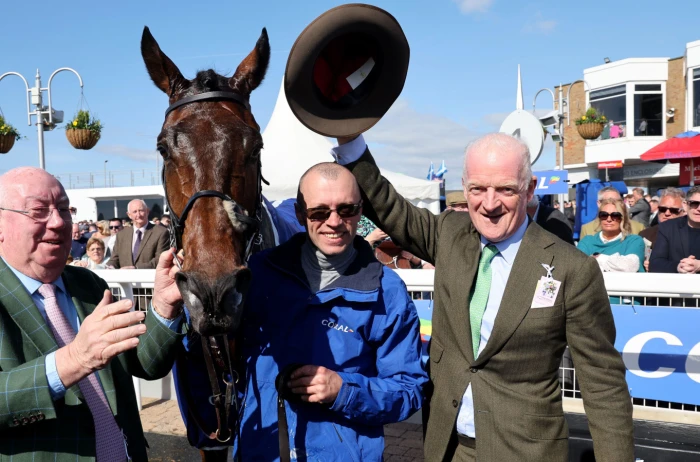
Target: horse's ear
x=162, y=70
x=252, y=69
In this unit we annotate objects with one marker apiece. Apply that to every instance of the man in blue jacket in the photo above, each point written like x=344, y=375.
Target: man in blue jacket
x=323, y=307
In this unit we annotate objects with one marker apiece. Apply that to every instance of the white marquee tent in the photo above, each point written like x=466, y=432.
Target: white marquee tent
x=291, y=148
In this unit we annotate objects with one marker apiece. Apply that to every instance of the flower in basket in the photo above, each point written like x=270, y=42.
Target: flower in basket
x=7, y=129
x=83, y=121
x=591, y=117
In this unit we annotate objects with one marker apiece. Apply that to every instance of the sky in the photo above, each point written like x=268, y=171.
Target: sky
x=461, y=80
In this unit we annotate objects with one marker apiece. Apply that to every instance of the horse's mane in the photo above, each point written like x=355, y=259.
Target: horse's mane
x=209, y=80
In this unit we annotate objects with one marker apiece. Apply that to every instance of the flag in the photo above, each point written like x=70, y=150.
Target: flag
x=431, y=173
x=442, y=170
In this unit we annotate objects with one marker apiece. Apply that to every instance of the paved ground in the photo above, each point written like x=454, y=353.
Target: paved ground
x=165, y=433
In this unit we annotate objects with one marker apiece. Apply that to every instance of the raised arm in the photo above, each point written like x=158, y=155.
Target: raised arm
x=412, y=228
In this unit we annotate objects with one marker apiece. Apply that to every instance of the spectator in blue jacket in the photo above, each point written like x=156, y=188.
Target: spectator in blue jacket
x=324, y=307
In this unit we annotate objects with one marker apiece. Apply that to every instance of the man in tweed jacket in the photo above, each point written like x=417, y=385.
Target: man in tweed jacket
x=43, y=414
x=504, y=402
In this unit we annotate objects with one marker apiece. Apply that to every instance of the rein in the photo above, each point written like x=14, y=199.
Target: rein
x=217, y=351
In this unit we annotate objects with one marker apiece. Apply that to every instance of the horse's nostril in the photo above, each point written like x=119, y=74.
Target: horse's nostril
x=181, y=278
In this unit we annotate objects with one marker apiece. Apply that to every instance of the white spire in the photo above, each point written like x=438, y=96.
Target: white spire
x=519, y=96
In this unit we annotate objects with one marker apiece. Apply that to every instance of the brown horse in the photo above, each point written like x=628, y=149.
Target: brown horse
x=210, y=144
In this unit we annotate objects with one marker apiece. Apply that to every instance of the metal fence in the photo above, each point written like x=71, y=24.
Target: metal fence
x=676, y=290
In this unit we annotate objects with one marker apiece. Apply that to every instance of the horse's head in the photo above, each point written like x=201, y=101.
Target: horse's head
x=210, y=144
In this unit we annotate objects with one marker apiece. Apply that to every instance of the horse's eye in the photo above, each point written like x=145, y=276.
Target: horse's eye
x=163, y=151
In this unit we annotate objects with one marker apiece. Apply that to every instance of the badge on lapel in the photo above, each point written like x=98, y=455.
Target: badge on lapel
x=546, y=290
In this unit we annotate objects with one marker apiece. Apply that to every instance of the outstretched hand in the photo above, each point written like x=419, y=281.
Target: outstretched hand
x=166, y=296
x=315, y=384
x=108, y=331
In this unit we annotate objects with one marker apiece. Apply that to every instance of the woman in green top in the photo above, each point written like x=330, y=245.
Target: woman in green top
x=613, y=245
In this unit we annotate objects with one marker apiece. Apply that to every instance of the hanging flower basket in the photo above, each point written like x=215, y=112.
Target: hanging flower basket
x=590, y=131
x=8, y=135
x=6, y=143
x=84, y=131
x=82, y=138
x=590, y=125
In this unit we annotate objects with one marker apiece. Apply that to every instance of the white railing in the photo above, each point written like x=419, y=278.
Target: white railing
x=642, y=289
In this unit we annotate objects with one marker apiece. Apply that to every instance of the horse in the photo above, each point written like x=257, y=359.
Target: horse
x=210, y=143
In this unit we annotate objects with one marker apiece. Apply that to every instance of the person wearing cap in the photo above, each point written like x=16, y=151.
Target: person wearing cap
x=456, y=201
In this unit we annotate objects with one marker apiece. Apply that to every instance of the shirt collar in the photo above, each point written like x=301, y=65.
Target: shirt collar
x=31, y=284
x=142, y=229
x=508, y=248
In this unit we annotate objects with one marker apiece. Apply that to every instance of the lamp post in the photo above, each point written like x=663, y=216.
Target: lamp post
x=46, y=116
x=106, y=172
x=556, y=118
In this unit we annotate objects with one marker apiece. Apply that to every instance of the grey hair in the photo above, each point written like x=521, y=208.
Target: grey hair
x=138, y=200
x=673, y=192
x=639, y=191
x=502, y=142
x=608, y=189
x=694, y=190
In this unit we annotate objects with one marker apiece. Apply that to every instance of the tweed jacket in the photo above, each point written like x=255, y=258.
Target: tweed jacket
x=155, y=240
x=33, y=427
x=515, y=385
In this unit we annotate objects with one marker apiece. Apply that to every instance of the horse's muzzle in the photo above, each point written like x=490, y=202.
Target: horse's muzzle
x=215, y=307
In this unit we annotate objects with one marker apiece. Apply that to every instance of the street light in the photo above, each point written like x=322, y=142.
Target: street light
x=554, y=117
x=106, y=172
x=46, y=116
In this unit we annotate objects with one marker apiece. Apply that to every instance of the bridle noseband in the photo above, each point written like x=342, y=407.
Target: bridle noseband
x=217, y=357
x=177, y=223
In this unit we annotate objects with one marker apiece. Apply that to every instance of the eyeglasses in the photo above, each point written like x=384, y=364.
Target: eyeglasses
x=693, y=204
x=673, y=210
x=115, y=227
x=43, y=214
x=617, y=216
x=324, y=213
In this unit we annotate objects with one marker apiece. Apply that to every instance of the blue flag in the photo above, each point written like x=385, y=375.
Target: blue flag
x=442, y=170
x=431, y=173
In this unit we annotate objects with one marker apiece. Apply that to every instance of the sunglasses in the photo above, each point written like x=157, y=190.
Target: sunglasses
x=324, y=213
x=114, y=227
x=617, y=216
x=673, y=210
x=693, y=204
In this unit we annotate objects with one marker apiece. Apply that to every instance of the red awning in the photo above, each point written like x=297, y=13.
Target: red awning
x=684, y=146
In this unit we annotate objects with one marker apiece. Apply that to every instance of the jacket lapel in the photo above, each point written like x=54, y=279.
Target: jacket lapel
x=21, y=308
x=146, y=235
x=471, y=257
x=79, y=297
x=520, y=288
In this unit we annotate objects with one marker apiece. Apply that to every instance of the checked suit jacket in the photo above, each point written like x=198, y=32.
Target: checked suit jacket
x=33, y=427
x=517, y=399
x=155, y=240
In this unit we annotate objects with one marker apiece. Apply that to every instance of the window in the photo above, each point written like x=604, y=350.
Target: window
x=612, y=103
x=648, y=110
x=696, y=97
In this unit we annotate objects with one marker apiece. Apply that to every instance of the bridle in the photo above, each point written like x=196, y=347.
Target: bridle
x=177, y=223
x=217, y=351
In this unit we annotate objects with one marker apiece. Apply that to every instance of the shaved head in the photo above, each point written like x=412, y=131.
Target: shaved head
x=327, y=170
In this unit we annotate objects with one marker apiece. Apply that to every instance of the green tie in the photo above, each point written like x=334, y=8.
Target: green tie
x=480, y=295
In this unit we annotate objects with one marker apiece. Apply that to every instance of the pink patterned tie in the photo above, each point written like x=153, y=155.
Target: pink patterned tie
x=108, y=436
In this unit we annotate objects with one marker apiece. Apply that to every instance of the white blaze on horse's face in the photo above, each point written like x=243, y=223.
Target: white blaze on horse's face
x=334, y=235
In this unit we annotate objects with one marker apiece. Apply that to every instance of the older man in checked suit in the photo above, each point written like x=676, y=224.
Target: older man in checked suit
x=67, y=354
x=509, y=297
